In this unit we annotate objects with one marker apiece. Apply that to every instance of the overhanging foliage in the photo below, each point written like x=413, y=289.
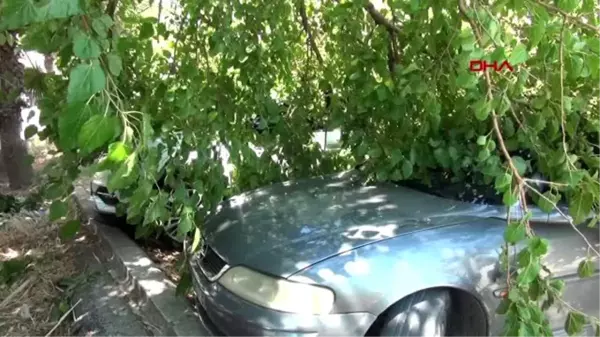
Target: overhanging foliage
x=393, y=77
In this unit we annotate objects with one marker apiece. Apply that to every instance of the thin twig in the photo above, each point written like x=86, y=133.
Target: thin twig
x=64, y=316
x=544, y=182
x=568, y=218
x=561, y=53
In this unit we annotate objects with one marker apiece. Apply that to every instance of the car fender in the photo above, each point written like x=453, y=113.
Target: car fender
x=373, y=277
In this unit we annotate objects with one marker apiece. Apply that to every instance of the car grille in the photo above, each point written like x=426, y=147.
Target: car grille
x=210, y=263
x=107, y=197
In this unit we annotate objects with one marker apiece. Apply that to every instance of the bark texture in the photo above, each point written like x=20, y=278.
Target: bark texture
x=14, y=156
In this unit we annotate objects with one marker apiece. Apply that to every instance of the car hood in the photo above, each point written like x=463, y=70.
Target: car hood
x=285, y=227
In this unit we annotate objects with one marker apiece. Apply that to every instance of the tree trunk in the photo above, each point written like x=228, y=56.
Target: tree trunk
x=14, y=149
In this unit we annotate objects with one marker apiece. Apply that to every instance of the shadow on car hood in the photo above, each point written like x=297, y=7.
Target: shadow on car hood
x=286, y=227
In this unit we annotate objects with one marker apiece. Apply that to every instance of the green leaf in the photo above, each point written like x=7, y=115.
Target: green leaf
x=594, y=222
x=573, y=178
x=568, y=5
x=580, y=205
x=30, y=131
x=115, y=65
x=574, y=323
x=510, y=197
x=85, y=80
x=70, y=122
x=594, y=44
x=146, y=31
x=520, y=164
x=514, y=232
x=58, y=209
x=17, y=13
x=60, y=9
x=381, y=93
x=125, y=175
x=547, y=202
x=186, y=222
x=529, y=273
x=597, y=329
x=586, y=268
x=537, y=33
x=538, y=246
x=196, y=240
x=407, y=169
x=54, y=190
x=101, y=25
x=557, y=285
x=117, y=152
x=411, y=67
x=503, y=181
x=539, y=102
x=519, y=55
x=482, y=109
x=466, y=80
x=96, y=132
x=69, y=229
x=85, y=47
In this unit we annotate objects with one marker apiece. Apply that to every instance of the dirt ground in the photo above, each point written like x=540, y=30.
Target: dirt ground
x=37, y=274
x=37, y=269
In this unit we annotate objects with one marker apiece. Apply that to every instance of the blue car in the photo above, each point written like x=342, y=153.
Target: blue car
x=332, y=256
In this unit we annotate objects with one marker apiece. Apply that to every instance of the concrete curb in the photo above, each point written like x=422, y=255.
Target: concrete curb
x=148, y=288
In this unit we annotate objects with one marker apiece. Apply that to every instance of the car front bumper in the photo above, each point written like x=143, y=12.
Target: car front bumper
x=227, y=314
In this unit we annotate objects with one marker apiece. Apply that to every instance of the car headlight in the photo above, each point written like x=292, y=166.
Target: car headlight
x=277, y=294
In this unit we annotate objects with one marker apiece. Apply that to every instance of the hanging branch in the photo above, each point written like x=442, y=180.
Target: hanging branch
x=306, y=27
x=314, y=48
x=393, y=31
x=462, y=7
x=380, y=19
x=111, y=9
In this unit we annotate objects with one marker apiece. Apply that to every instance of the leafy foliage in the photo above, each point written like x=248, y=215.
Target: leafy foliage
x=394, y=79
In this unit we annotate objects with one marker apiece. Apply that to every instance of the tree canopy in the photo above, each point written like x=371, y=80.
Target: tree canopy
x=393, y=76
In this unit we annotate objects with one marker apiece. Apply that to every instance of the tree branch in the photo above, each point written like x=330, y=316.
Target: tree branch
x=567, y=16
x=111, y=8
x=393, y=31
x=462, y=7
x=380, y=19
x=306, y=26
